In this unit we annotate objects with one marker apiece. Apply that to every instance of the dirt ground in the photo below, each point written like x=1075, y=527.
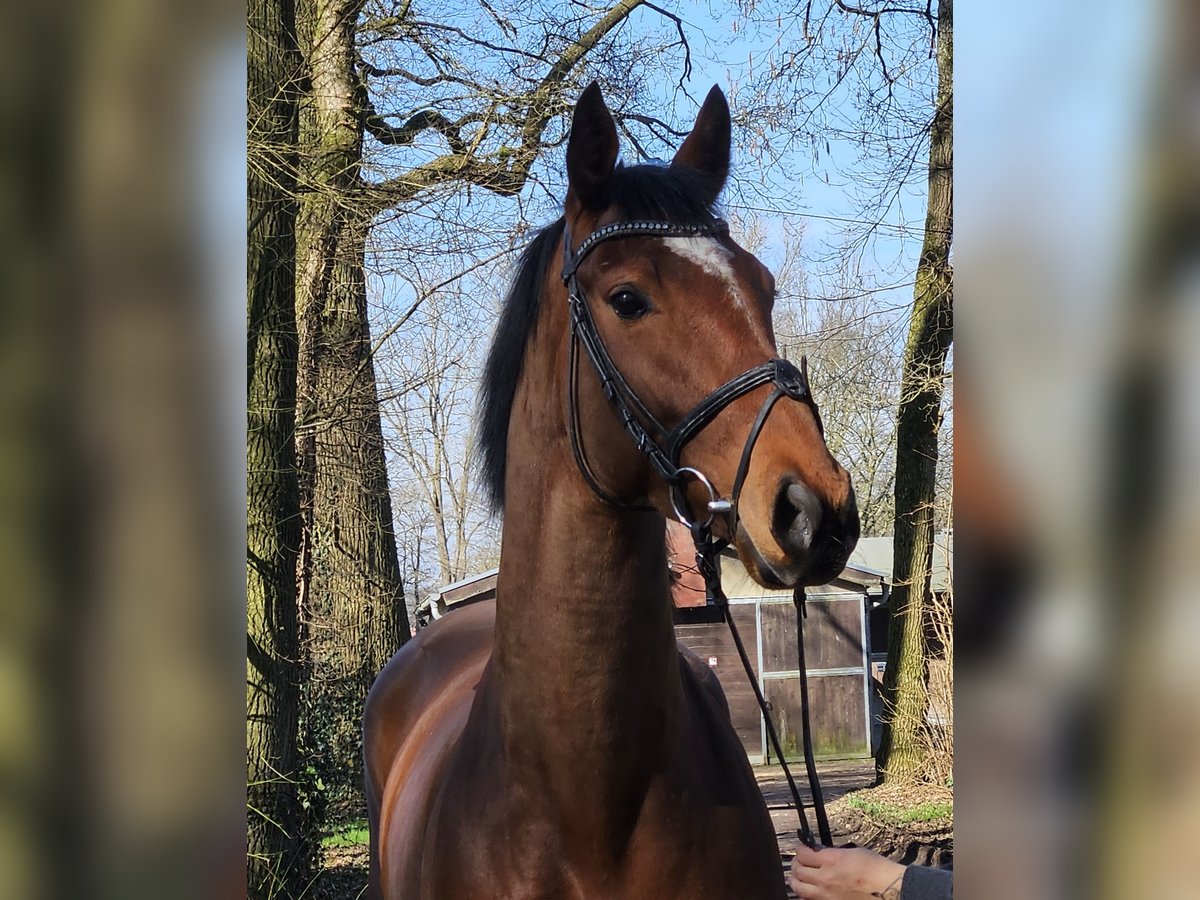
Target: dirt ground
x=837, y=778
x=344, y=876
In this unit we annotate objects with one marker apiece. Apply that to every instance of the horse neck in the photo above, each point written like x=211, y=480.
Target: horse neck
x=585, y=663
x=584, y=648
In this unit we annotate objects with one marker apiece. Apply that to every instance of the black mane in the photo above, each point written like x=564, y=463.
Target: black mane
x=639, y=192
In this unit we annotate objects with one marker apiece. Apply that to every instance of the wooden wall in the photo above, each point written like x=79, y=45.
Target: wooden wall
x=837, y=665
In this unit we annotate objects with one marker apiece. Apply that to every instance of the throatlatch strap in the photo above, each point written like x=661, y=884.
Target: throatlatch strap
x=576, y=435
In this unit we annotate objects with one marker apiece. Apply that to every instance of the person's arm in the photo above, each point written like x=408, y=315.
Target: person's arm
x=856, y=873
x=925, y=883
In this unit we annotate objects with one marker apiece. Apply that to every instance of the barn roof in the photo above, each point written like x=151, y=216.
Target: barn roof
x=875, y=553
x=468, y=587
x=869, y=570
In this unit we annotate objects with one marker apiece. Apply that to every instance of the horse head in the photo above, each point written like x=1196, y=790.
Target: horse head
x=676, y=318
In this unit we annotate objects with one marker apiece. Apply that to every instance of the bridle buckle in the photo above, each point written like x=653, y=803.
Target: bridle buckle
x=791, y=380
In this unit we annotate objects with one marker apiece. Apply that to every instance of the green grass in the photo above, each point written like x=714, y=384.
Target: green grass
x=352, y=834
x=922, y=812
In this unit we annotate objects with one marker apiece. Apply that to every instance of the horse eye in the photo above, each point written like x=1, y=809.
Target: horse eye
x=629, y=304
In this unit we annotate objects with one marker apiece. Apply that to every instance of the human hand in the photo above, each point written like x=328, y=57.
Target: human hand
x=852, y=873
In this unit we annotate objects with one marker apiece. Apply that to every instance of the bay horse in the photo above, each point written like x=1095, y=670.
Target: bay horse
x=558, y=743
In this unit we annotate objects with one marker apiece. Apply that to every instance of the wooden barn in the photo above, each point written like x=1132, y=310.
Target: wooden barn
x=837, y=652
x=472, y=589
x=837, y=648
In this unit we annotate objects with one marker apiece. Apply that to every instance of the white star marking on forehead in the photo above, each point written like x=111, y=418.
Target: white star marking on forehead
x=713, y=258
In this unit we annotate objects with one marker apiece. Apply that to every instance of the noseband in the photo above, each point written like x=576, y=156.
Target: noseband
x=641, y=424
x=664, y=457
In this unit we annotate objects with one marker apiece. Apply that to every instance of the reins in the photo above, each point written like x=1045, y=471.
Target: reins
x=708, y=563
x=664, y=458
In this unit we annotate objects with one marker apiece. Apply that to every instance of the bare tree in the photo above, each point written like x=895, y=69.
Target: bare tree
x=431, y=424
x=865, y=90
x=853, y=354
x=470, y=92
x=350, y=591
x=906, y=690
x=404, y=108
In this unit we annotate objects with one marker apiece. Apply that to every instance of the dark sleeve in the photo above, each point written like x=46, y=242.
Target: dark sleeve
x=924, y=883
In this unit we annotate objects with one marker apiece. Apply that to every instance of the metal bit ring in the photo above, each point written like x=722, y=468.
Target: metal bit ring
x=677, y=495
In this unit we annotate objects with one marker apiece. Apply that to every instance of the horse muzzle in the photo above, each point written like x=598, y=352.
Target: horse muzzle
x=812, y=541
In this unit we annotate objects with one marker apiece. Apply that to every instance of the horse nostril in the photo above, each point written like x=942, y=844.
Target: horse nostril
x=797, y=517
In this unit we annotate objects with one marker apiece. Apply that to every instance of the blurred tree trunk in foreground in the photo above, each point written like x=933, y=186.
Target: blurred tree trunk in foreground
x=906, y=693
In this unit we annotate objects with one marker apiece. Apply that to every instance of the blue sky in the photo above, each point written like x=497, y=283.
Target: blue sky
x=814, y=191
x=795, y=190
x=822, y=196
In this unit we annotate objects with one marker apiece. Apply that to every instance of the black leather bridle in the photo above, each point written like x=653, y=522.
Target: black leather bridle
x=641, y=424
x=665, y=458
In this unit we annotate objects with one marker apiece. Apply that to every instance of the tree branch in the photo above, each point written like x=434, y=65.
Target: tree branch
x=877, y=14
x=479, y=42
x=426, y=119
x=873, y=13
x=424, y=81
x=506, y=171
x=887, y=76
x=687, y=50
x=655, y=125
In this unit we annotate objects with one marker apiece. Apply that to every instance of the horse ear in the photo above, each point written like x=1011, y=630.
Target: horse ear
x=706, y=149
x=591, y=150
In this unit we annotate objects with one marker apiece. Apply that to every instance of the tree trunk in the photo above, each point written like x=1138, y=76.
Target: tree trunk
x=355, y=592
x=352, y=596
x=276, y=854
x=905, y=683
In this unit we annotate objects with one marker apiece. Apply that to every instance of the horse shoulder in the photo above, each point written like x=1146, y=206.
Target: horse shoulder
x=413, y=718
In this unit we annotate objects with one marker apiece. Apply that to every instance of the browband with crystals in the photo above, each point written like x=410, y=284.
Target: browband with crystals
x=571, y=260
